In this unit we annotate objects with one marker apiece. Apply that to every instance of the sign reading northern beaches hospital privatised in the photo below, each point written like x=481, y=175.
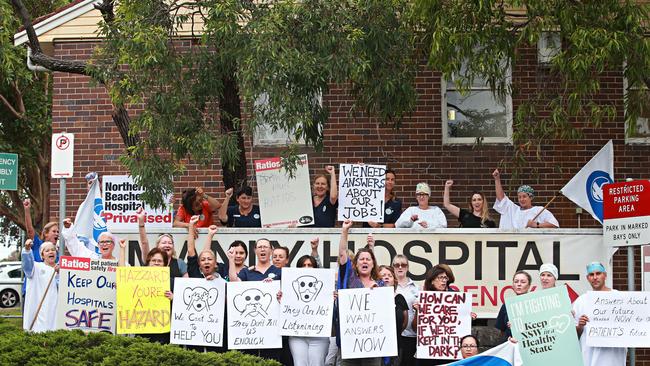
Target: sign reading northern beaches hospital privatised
x=626, y=213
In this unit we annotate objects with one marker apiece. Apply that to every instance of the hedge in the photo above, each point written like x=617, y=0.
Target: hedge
x=73, y=348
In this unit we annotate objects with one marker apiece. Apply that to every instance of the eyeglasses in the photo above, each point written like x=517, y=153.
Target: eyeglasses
x=105, y=242
x=400, y=265
x=420, y=194
x=469, y=346
x=442, y=278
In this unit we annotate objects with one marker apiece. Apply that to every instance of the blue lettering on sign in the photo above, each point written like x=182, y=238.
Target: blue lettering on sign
x=594, y=190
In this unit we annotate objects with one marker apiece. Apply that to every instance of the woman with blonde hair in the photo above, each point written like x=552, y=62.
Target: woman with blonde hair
x=478, y=214
x=42, y=288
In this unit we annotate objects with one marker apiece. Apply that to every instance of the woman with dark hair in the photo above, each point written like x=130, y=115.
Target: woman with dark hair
x=244, y=213
x=361, y=271
x=196, y=202
x=325, y=198
x=521, y=282
x=239, y=252
x=477, y=216
x=438, y=278
x=469, y=346
x=308, y=351
x=392, y=205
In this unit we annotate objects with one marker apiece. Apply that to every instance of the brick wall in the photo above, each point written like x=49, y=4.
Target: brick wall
x=415, y=150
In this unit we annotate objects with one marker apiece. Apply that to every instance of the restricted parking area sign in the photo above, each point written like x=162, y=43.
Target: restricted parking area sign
x=62, y=155
x=8, y=172
x=626, y=213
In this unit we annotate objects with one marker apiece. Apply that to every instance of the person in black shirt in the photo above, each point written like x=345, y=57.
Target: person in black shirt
x=325, y=199
x=244, y=213
x=521, y=282
x=478, y=214
x=392, y=206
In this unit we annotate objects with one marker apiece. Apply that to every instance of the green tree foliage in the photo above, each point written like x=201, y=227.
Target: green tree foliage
x=25, y=120
x=196, y=67
x=481, y=39
x=72, y=348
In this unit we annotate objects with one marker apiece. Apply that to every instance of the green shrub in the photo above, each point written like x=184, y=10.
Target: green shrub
x=73, y=348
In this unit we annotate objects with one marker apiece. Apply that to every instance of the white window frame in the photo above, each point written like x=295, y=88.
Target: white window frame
x=279, y=138
x=633, y=140
x=448, y=140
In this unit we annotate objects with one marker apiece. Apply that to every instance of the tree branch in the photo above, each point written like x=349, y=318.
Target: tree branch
x=13, y=111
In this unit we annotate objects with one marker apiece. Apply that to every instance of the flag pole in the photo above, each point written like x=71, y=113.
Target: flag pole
x=544, y=208
x=40, y=304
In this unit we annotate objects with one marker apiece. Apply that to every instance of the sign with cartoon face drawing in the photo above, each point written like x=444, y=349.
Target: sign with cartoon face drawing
x=253, y=313
x=307, y=302
x=198, y=312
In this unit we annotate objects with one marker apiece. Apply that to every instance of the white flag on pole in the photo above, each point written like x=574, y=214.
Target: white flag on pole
x=88, y=222
x=586, y=187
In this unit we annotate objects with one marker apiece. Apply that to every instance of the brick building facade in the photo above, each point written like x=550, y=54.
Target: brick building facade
x=417, y=151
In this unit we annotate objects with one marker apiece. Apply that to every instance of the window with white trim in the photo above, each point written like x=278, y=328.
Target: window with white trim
x=640, y=132
x=475, y=114
x=264, y=134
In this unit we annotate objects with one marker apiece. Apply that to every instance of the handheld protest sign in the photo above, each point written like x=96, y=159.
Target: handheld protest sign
x=121, y=197
x=253, y=313
x=616, y=318
x=198, y=312
x=284, y=200
x=87, y=296
x=141, y=303
x=307, y=302
x=367, y=318
x=543, y=324
x=362, y=192
x=443, y=319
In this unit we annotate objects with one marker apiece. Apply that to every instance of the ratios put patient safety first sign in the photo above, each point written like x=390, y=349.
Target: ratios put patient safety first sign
x=122, y=200
x=87, y=294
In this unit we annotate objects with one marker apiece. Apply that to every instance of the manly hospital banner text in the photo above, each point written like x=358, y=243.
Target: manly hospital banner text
x=483, y=260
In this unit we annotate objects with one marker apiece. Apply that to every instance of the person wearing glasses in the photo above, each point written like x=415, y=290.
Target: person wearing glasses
x=406, y=342
x=422, y=216
x=263, y=270
x=438, y=278
x=76, y=248
x=469, y=346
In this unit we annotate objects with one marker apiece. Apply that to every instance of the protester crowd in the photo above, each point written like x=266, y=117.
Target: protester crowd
x=355, y=270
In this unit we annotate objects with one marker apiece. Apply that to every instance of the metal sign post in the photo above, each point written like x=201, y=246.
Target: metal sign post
x=62, y=168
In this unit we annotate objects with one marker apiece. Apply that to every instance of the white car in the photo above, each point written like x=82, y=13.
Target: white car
x=10, y=284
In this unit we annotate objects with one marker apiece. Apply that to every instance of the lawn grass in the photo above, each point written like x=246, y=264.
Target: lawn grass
x=18, y=322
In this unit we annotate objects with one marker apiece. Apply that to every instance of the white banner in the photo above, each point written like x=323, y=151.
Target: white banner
x=122, y=200
x=307, y=302
x=361, y=192
x=253, y=313
x=618, y=319
x=87, y=297
x=198, y=312
x=442, y=320
x=483, y=260
x=284, y=200
x=367, y=318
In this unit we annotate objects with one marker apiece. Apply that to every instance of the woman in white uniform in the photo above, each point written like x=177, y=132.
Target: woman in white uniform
x=42, y=285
